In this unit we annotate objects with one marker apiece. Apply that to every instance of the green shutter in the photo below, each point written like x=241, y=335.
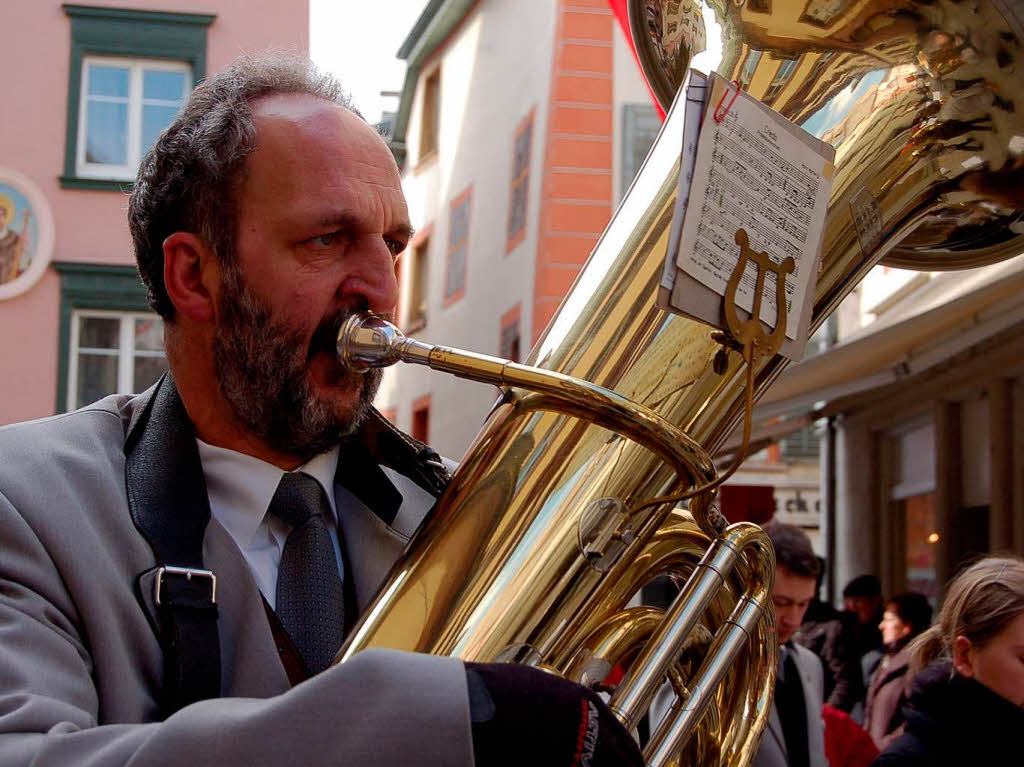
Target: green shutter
x=129, y=33
x=92, y=286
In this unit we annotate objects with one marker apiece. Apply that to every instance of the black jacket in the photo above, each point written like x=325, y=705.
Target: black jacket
x=829, y=634
x=952, y=720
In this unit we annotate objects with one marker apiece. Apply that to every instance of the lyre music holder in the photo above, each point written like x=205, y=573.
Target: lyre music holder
x=748, y=334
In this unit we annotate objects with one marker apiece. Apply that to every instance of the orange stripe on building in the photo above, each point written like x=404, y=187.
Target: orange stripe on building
x=572, y=185
x=576, y=188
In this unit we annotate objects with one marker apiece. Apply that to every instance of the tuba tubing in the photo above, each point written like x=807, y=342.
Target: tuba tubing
x=552, y=522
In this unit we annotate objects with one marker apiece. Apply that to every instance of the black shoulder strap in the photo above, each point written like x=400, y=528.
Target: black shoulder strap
x=378, y=443
x=170, y=508
x=395, y=449
x=168, y=503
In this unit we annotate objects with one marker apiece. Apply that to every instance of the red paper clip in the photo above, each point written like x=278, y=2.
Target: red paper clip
x=721, y=112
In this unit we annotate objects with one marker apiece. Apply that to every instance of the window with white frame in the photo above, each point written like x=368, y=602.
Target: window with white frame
x=113, y=352
x=124, y=105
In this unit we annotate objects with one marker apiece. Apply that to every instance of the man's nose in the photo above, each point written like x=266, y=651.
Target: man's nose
x=372, y=279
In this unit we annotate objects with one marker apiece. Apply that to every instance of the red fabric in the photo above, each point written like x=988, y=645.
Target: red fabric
x=619, y=9
x=846, y=742
x=747, y=503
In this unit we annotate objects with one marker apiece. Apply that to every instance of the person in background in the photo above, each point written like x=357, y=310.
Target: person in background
x=847, y=744
x=906, y=616
x=830, y=635
x=863, y=598
x=795, y=735
x=967, y=704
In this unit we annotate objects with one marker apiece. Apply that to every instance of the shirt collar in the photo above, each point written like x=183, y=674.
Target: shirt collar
x=240, y=487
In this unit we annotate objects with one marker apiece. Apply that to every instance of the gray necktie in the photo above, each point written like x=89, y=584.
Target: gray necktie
x=310, y=595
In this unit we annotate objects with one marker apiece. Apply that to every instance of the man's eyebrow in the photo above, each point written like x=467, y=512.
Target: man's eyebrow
x=343, y=220
x=338, y=219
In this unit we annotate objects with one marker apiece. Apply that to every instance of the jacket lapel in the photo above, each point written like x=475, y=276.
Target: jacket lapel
x=811, y=677
x=165, y=483
x=775, y=730
x=385, y=485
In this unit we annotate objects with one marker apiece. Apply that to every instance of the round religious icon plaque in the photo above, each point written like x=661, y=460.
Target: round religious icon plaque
x=26, y=233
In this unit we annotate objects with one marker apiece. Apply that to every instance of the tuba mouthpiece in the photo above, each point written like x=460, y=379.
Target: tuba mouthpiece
x=368, y=341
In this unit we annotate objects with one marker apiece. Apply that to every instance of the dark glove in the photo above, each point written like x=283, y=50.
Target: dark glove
x=525, y=716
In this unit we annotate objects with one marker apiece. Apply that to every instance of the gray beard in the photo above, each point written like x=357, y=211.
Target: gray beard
x=261, y=367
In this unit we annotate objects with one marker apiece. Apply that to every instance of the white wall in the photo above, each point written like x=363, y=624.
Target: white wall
x=976, y=457
x=494, y=70
x=856, y=533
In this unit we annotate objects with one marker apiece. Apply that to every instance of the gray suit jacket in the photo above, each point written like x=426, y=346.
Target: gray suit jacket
x=80, y=661
x=772, y=751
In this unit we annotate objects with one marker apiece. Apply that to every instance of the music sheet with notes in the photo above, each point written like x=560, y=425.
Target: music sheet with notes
x=758, y=171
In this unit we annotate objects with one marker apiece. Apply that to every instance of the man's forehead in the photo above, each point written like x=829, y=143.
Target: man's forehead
x=313, y=155
x=793, y=584
x=285, y=120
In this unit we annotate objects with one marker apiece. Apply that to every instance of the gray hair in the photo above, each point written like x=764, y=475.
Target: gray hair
x=188, y=180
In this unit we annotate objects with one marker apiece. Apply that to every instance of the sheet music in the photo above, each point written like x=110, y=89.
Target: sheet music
x=757, y=171
x=693, y=107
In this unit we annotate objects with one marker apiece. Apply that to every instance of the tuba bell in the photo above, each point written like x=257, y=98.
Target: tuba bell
x=564, y=505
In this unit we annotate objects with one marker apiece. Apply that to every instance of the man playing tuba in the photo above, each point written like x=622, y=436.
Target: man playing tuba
x=180, y=567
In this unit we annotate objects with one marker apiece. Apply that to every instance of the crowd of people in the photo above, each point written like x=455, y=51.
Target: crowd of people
x=893, y=687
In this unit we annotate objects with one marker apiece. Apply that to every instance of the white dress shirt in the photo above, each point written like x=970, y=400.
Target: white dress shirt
x=240, y=488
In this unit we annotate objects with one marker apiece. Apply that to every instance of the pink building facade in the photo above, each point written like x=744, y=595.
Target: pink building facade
x=88, y=89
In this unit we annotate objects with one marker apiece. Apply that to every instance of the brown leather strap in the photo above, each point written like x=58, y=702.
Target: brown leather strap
x=286, y=649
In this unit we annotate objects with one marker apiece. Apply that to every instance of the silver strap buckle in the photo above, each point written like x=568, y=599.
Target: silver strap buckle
x=188, y=573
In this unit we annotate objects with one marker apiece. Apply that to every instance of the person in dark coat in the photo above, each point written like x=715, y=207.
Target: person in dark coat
x=862, y=599
x=906, y=616
x=967, y=705
x=832, y=636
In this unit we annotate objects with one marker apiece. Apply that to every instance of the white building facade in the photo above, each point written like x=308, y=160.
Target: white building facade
x=517, y=132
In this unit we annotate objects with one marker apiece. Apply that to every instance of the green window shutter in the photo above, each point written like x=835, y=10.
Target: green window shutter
x=640, y=127
x=127, y=33
x=91, y=286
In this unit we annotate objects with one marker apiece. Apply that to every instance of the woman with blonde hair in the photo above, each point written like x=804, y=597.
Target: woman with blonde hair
x=966, y=706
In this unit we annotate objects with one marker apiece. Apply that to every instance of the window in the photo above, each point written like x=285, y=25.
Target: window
x=918, y=513
x=520, y=182
x=640, y=125
x=782, y=76
x=458, y=248
x=431, y=114
x=801, y=444
x=113, y=352
x=419, y=274
x=508, y=344
x=749, y=67
x=108, y=340
x=825, y=337
x=124, y=105
x=130, y=71
x=421, y=419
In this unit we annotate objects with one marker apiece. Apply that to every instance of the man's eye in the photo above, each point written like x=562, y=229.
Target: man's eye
x=395, y=246
x=326, y=240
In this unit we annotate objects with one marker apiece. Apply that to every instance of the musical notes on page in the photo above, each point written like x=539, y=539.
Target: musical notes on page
x=757, y=171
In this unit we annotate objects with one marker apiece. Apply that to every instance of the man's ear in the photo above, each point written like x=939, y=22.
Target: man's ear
x=191, y=276
x=962, y=656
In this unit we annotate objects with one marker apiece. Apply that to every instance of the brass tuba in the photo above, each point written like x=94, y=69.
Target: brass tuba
x=559, y=511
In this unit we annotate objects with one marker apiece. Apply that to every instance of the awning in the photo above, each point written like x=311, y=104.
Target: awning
x=950, y=313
